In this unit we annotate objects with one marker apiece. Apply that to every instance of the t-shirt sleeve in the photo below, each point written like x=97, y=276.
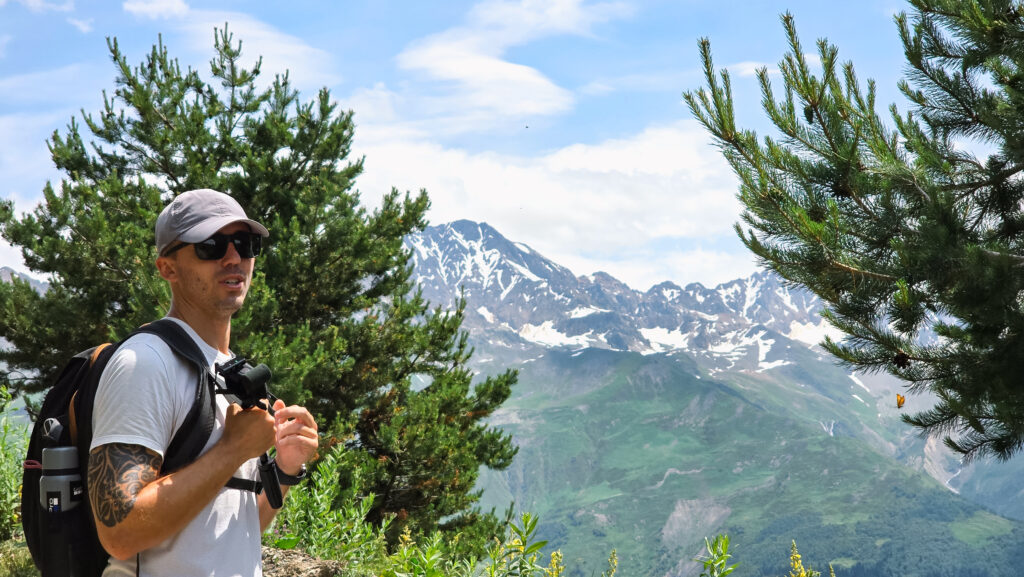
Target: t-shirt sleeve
x=137, y=400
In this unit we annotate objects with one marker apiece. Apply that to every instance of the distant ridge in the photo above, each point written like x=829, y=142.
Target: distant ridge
x=520, y=299
x=648, y=420
x=7, y=273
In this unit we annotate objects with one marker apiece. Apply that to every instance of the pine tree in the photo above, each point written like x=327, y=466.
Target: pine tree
x=895, y=223
x=333, y=309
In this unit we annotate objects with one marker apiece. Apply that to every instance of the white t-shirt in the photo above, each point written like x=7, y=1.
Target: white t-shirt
x=144, y=394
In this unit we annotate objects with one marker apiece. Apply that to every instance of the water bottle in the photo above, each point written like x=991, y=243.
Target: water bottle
x=60, y=492
x=60, y=486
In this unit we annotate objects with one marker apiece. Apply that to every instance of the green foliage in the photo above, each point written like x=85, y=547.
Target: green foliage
x=333, y=309
x=517, y=555
x=895, y=224
x=15, y=560
x=717, y=557
x=318, y=520
x=427, y=559
x=325, y=522
x=13, y=443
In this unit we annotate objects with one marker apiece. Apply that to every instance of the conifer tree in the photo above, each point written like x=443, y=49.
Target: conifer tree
x=915, y=243
x=333, y=309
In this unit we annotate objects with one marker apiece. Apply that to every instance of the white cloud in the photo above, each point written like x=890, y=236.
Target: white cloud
x=484, y=82
x=631, y=206
x=646, y=268
x=63, y=85
x=474, y=85
x=43, y=6
x=24, y=159
x=84, y=26
x=26, y=166
x=309, y=68
x=525, y=20
x=667, y=81
x=750, y=67
x=156, y=9
x=597, y=87
x=377, y=104
x=10, y=257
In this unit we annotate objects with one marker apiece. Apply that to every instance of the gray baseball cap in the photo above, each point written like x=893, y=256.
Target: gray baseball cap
x=196, y=215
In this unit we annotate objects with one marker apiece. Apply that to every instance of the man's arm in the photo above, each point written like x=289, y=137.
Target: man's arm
x=117, y=473
x=135, y=509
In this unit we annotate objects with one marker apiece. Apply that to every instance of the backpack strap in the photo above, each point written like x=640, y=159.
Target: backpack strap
x=195, y=430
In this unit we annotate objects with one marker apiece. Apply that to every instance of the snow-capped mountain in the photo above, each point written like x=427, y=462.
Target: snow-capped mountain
x=587, y=407
x=7, y=273
x=518, y=299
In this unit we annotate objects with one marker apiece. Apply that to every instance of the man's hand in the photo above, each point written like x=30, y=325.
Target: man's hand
x=249, y=433
x=297, y=438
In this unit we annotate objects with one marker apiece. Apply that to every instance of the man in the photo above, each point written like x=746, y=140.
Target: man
x=186, y=522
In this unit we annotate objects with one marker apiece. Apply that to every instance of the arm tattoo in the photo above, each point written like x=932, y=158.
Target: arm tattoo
x=117, y=473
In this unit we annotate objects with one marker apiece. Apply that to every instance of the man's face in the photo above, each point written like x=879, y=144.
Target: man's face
x=215, y=287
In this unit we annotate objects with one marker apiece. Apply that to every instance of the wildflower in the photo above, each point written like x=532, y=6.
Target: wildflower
x=555, y=568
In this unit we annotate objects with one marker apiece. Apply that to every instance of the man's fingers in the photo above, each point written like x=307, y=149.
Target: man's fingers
x=295, y=414
x=295, y=427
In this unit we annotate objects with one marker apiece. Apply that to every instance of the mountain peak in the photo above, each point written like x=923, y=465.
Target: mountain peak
x=518, y=299
x=7, y=274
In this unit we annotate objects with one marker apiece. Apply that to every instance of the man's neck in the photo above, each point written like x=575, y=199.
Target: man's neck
x=215, y=331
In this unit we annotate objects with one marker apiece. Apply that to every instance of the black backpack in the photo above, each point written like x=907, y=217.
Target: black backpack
x=62, y=535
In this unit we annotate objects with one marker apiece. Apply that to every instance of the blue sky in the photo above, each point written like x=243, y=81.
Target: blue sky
x=558, y=122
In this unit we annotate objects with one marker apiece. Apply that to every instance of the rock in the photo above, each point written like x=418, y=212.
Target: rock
x=295, y=563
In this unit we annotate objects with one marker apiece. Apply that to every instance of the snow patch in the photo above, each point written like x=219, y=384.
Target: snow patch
x=853, y=377
x=762, y=367
x=813, y=334
x=524, y=271
x=546, y=334
x=750, y=295
x=486, y=314
x=523, y=247
x=763, y=347
x=580, y=312
x=664, y=339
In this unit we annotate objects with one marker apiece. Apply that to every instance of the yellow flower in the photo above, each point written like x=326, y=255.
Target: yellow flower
x=555, y=568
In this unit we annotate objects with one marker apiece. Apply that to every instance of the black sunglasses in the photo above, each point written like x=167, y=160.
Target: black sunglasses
x=246, y=243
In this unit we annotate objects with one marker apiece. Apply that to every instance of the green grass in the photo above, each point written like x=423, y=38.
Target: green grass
x=843, y=563
x=15, y=560
x=980, y=528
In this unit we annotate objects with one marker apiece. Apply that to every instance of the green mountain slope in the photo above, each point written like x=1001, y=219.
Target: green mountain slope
x=650, y=454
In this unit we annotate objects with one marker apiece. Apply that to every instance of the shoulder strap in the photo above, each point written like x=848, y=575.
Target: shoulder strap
x=195, y=430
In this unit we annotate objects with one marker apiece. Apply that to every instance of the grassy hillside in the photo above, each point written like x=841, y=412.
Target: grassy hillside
x=649, y=454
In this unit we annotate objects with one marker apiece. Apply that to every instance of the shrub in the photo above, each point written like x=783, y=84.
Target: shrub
x=13, y=442
x=325, y=523
x=717, y=557
x=15, y=560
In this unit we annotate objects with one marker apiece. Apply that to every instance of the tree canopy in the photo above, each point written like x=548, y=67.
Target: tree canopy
x=333, y=309
x=914, y=242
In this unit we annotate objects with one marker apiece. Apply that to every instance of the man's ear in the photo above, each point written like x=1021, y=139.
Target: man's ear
x=167, y=267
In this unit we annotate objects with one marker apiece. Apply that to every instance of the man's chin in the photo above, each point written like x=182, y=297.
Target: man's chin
x=231, y=305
